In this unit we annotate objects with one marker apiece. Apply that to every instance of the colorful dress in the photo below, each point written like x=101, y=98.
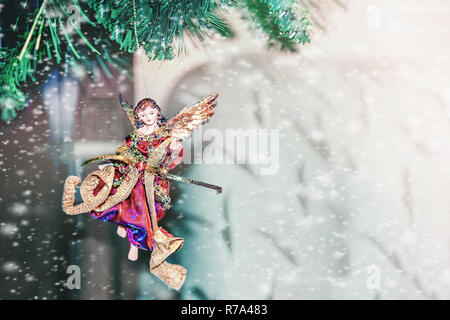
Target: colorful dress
x=133, y=212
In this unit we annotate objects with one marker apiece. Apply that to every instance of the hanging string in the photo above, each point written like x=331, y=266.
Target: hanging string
x=139, y=49
x=141, y=52
x=156, y=76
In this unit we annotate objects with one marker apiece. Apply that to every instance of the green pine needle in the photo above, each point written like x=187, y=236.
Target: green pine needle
x=108, y=26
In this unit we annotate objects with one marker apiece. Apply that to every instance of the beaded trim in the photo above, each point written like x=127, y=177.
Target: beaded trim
x=137, y=137
x=123, y=169
x=161, y=196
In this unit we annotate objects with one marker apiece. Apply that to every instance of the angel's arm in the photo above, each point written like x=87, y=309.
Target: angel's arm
x=176, y=154
x=174, y=145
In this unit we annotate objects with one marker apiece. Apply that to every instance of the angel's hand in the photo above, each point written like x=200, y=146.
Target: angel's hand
x=174, y=145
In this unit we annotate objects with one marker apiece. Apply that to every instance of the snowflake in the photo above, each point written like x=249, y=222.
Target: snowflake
x=10, y=266
x=8, y=229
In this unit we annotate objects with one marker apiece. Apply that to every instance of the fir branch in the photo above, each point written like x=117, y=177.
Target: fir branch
x=61, y=47
x=278, y=19
x=110, y=24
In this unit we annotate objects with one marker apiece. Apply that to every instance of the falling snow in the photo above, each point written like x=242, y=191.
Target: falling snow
x=361, y=190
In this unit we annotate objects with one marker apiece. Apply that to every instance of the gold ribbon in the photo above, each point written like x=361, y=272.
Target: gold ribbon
x=102, y=200
x=171, y=274
x=90, y=202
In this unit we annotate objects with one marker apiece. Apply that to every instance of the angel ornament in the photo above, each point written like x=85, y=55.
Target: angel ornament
x=133, y=189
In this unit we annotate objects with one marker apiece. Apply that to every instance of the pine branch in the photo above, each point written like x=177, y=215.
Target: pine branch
x=48, y=35
x=285, y=22
x=54, y=40
x=159, y=23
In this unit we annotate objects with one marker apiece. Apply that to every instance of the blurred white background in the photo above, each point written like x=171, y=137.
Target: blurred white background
x=359, y=208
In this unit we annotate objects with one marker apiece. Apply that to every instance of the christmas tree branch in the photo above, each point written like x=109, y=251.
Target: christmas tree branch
x=56, y=39
x=30, y=34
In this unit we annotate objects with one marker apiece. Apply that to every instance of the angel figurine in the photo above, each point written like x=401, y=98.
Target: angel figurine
x=132, y=190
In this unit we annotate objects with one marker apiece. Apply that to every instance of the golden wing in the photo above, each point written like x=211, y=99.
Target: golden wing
x=184, y=123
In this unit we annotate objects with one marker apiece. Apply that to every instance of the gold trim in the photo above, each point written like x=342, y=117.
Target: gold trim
x=172, y=275
x=86, y=189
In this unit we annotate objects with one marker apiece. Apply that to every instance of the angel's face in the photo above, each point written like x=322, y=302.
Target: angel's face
x=149, y=116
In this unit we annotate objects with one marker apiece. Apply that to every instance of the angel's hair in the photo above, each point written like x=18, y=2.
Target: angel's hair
x=144, y=104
